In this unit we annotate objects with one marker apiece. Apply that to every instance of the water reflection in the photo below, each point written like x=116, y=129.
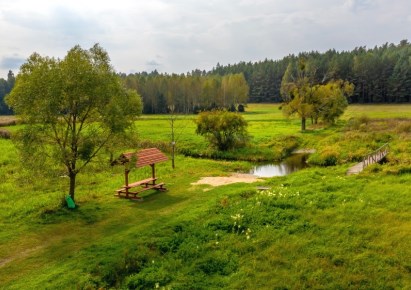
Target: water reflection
x=293, y=163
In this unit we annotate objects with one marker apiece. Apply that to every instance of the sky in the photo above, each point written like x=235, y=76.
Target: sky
x=178, y=36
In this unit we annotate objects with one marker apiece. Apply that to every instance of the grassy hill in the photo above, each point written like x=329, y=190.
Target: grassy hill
x=316, y=228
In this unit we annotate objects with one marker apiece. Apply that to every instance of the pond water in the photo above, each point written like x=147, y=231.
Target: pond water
x=289, y=165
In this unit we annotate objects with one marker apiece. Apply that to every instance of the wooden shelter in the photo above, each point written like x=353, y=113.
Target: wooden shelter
x=141, y=158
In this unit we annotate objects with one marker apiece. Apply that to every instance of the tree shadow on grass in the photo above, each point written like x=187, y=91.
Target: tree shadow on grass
x=154, y=200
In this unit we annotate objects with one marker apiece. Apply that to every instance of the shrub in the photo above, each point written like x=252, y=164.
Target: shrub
x=329, y=156
x=224, y=130
x=403, y=127
x=284, y=145
x=5, y=134
x=358, y=123
x=149, y=278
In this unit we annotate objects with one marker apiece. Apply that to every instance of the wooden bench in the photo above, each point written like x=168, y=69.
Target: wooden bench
x=143, y=185
x=123, y=193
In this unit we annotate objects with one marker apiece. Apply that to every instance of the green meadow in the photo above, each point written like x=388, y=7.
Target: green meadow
x=316, y=228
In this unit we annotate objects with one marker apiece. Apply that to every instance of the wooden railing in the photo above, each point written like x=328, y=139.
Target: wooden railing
x=376, y=156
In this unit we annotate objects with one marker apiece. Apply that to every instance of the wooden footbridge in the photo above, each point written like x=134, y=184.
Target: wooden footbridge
x=371, y=158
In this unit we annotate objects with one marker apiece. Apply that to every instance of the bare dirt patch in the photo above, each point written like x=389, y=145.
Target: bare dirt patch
x=223, y=180
x=304, y=151
x=20, y=255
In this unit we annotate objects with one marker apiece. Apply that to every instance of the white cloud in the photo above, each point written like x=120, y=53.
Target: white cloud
x=191, y=34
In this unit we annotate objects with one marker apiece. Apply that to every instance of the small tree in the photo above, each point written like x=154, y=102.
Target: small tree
x=72, y=108
x=297, y=92
x=224, y=130
x=301, y=98
x=330, y=100
x=300, y=103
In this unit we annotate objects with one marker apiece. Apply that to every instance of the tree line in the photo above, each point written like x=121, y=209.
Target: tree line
x=380, y=75
x=5, y=88
x=188, y=93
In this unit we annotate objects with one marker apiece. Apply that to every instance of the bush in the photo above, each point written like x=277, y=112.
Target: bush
x=284, y=145
x=329, y=156
x=224, y=130
x=358, y=123
x=5, y=134
x=149, y=278
x=403, y=127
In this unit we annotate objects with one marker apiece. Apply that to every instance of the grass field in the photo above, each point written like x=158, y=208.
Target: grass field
x=316, y=228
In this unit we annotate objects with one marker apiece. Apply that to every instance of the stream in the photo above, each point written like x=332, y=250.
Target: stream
x=289, y=165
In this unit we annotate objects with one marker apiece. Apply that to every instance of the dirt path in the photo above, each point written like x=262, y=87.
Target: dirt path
x=304, y=151
x=234, y=178
x=23, y=254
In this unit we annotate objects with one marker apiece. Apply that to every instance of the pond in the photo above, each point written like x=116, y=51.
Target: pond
x=289, y=165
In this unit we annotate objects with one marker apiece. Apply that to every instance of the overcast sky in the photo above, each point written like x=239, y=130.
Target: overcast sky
x=182, y=35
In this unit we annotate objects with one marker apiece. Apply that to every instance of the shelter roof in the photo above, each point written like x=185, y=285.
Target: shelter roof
x=143, y=157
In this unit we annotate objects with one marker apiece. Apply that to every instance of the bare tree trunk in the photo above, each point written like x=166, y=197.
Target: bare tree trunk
x=303, y=124
x=173, y=148
x=72, y=177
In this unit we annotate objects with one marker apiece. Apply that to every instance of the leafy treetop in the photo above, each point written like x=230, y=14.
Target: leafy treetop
x=72, y=107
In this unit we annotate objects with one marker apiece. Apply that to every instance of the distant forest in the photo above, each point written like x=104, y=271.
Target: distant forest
x=380, y=75
x=5, y=87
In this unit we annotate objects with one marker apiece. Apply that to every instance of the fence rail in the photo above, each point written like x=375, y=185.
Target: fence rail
x=376, y=156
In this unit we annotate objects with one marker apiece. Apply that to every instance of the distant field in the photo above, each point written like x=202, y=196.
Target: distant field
x=7, y=120
x=379, y=111
x=355, y=110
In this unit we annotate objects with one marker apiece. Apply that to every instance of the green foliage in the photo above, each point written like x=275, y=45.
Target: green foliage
x=283, y=146
x=189, y=93
x=301, y=97
x=358, y=123
x=225, y=130
x=5, y=88
x=72, y=108
x=328, y=156
x=379, y=74
x=330, y=100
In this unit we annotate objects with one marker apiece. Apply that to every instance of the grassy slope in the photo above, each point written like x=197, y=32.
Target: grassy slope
x=315, y=228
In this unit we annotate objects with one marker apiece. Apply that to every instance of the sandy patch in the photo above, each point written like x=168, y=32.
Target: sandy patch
x=304, y=151
x=234, y=178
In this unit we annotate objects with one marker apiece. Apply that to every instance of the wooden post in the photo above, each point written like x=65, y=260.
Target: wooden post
x=153, y=173
x=126, y=172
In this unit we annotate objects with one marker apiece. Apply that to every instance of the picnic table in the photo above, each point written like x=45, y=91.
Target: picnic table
x=144, y=157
